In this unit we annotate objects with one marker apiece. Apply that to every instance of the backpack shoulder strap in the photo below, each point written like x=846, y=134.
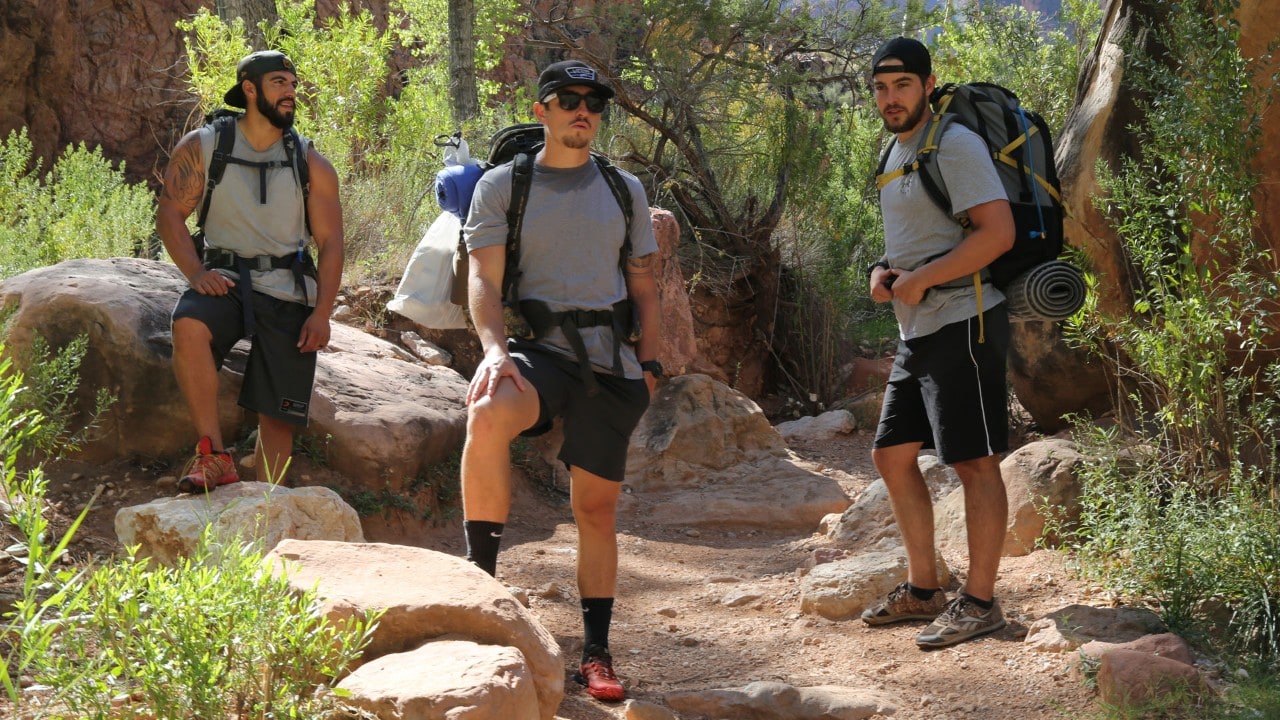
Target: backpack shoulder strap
x=930, y=174
x=297, y=158
x=618, y=186
x=521, y=182
x=224, y=134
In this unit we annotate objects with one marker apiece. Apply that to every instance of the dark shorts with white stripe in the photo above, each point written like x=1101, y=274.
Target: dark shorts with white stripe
x=277, y=377
x=947, y=391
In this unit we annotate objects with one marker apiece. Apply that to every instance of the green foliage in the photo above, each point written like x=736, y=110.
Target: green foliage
x=217, y=636
x=1016, y=48
x=82, y=208
x=1182, y=505
x=51, y=381
x=28, y=634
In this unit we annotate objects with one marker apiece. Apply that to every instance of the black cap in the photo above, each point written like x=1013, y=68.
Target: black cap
x=252, y=67
x=571, y=72
x=911, y=57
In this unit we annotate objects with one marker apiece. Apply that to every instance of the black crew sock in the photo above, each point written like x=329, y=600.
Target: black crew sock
x=483, y=538
x=922, y=593
x=597, y=614
x=984, y=604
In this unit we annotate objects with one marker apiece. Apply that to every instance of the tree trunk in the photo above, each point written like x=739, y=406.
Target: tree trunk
x=253, y=12
x=462, y=61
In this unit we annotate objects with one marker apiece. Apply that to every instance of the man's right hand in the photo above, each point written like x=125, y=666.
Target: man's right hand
x=881, y=280
x=211, y=282
x=489, y=374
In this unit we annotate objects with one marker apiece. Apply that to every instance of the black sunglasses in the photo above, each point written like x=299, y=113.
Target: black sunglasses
x=569, y=101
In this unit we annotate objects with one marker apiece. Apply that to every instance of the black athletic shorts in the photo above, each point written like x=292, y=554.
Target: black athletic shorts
x=278, y=377
x=947, y=391
x=597, y=429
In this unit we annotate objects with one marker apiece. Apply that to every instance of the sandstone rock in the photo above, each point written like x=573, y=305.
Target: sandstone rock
x=1164, y=644
x=820, y=427
x=1038, y=476
x=867, y=521
x=679, y=348
x=772, y=700
x=170, y=528
x=1132, y=679
x=426, y=595
x=445, y=680
x=383, y=419
x=1074, y=625
x=704, y=446
x=427, y=352
x=640, y=710
x=842, y=589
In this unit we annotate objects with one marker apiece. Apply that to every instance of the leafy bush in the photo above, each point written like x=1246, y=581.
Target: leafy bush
x=82, y=208
x=218, y=636
x=1182, y=505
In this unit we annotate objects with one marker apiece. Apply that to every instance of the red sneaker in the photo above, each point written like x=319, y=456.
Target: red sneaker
x=597, y=674
x=208, y=469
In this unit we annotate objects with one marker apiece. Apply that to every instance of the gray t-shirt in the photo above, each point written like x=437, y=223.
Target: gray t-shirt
x=239, y=221
x=916, y=230
x=569, y=246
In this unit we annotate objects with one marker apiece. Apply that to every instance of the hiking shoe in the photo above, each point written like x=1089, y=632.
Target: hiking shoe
x=901, y=605
x=962, y=620
x=208, y=469
x=596, y=673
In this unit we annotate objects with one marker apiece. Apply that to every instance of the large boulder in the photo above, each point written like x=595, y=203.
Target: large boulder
x=383, y=415
x=705, y=446
x=426, y=595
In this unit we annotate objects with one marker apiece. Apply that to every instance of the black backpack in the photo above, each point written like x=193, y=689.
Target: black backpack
x=223, y=122
x=1022, y=152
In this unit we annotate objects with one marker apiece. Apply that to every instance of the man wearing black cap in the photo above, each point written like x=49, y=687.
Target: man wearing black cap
x=947, y=387
x=571, y=240
x=255, y=276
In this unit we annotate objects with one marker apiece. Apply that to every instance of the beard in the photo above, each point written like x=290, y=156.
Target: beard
x=576, y=142
x=283, y=121
x=910, y=121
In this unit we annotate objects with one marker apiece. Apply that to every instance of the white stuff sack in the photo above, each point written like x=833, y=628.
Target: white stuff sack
x=423, y=295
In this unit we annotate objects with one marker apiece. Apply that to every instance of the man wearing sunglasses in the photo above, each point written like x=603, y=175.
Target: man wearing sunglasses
x=572, y=262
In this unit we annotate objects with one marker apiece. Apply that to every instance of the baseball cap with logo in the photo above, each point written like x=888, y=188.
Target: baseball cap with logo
x=571, y=72
x=253, y=66
x=902, y=55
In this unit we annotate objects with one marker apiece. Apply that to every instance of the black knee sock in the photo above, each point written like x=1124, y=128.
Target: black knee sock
x=597, y=614
x=483, y=538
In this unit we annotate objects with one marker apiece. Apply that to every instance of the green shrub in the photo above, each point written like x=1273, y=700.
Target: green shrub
x=218, y=636
x=1181, y=505
x=82, y=208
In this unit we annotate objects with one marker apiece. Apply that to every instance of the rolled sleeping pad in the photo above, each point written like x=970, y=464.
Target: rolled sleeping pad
x=454, y=186
x=1054, y=290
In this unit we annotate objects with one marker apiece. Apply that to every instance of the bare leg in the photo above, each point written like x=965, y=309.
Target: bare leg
x=986, y=510
x=274, y=449
x=492, y=423
x=595, y=509
x=912, y=508
x=197, y=376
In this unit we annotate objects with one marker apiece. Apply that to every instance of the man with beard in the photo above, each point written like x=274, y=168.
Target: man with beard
x=580, y=367
x=947, y=387
x=249, y=269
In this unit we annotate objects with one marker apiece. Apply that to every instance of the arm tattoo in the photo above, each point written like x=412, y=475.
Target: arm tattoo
x=639, y=266
x=184, y=178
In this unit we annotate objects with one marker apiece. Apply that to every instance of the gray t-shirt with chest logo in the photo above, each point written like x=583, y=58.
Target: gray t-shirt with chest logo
x=570, y=244
x=916, y=230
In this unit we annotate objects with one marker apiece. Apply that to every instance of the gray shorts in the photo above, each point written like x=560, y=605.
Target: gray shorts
x=947, y=391
x=278, y=377
x=597, y=429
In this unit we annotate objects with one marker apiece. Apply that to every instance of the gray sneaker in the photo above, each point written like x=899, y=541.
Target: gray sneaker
x=902, y=605
x=961, y=621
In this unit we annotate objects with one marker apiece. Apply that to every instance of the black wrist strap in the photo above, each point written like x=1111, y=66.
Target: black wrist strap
x=877, y=264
